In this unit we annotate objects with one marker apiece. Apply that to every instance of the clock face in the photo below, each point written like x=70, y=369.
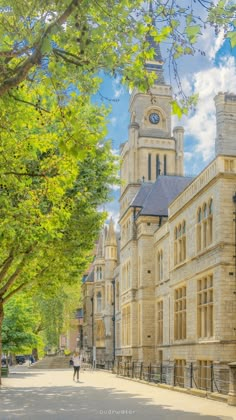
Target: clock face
x=154, y=118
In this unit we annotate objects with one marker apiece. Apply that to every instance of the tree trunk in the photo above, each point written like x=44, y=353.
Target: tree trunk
x=1, y=321
x=35, y=354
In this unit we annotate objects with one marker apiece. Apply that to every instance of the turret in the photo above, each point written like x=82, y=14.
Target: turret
x=111, y=243
x=178, y=134
x=225, y=124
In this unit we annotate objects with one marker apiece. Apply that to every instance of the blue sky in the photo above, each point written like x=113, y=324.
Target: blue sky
x=206, y=75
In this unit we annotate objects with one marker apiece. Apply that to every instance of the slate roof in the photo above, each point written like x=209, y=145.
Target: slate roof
x=154, y=199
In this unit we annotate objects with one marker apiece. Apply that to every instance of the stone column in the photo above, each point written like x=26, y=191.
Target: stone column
x=232, y=384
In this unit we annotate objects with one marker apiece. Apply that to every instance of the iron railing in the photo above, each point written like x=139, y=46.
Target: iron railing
x=210, y=378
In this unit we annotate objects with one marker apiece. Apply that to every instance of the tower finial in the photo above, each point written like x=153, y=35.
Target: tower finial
x=150, y=7
x=157, y=62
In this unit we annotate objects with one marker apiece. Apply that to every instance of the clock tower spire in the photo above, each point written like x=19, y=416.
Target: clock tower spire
x=151, y=148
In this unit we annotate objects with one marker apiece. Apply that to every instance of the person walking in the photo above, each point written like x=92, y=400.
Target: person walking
x=76, y=363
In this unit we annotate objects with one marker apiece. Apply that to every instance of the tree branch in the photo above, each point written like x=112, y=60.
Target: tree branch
x=36, y=106
x=21, y=286
x=12, y=293
x=6, y=265
x=16, y=273
x=36, y=56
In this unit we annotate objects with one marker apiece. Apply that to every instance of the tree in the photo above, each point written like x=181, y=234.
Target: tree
x=64, y=44
x=49, y=223
x=20, y=325
x=51, y=141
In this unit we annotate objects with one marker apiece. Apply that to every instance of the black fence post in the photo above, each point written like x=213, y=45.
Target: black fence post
x=125, y=369
x=141, y=371
x=132, y=372
x=191, y=374
x=212, y=377
x=161, y=372
x=149, y=372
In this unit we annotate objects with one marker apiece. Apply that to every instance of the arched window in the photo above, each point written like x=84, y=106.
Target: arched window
x=204, y=228
x=199, y=215
x=180, y=243
x=210, y=222
x=199, y=230
x=175, y=246
x=99, y=302
x=183, y=240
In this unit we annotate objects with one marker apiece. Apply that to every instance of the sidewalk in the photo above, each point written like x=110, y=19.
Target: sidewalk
x=31, y=394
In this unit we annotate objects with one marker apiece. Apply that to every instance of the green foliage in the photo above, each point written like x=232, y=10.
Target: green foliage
x=223, y=15
x=19, y=325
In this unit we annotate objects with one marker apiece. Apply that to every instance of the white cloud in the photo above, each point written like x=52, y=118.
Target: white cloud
x=207, y=83
x=188, y=156
x=117, y=88
x=113, y=121
x=211, y=44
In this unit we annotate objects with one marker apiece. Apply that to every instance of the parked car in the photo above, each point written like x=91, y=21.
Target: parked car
x=20, y=359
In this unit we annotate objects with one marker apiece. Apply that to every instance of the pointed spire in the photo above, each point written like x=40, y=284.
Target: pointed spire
x=111, y=235
x=156, y=65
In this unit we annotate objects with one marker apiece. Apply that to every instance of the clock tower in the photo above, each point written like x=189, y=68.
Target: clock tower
x=152, y=148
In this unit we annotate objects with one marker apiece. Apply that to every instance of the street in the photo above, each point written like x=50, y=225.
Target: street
x=51, y=394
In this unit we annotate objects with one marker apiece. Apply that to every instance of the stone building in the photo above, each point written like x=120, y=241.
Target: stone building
x=98, y=308
x=171, y=294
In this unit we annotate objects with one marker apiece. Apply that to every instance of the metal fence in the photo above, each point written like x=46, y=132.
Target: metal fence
x=210, y=378
x=107, y=364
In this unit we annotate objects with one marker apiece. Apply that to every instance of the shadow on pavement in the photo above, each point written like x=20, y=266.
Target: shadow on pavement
x=86, y=403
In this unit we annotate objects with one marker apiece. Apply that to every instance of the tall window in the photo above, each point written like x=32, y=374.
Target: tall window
x=180, y=313
x=204, y=229
x=149, y=166
x=210, y=221
x=204, y=225
x=159, y=266
x=160, y=322
x=199, y=229
x=180, y=243
x=99, y=273
x=118, y=334
x=175, y=246
x=158, y=169
x=165, y=164
x=99, y=302
x=205, y=307
x=126, y=326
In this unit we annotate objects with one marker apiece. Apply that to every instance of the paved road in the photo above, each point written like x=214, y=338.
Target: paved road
x=30, y=394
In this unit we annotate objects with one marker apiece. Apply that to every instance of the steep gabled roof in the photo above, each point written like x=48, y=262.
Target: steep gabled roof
x=142, y=194
x=154, y=199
